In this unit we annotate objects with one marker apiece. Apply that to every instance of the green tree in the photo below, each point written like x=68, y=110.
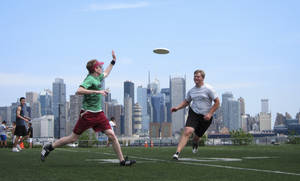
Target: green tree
x=240, y=137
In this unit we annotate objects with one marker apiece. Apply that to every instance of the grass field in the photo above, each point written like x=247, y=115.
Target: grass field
x=210, y=163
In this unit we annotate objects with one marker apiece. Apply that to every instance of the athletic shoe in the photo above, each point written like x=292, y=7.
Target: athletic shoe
x=19, y=147
x=127, y=162
x=45, y=151
x=15, y=149
x=175, y=156
x=195, y=148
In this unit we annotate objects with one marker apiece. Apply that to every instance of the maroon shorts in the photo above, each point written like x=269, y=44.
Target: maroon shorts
x=97, y=121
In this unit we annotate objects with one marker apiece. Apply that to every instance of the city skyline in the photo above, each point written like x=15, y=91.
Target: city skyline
x=249, y=48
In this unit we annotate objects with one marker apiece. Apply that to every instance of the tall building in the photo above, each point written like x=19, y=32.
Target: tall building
x=242, y=105
x=264, y=121
x=265, y=105
x=177, y=94
x=118, y=113
x=75, y=107
x=166, y=93
x=159, y=109
x=43, y=126
x=137, y=119
x=225, y=108
x=129, y=90
x=264, y=116
x=142, y=101
x=46, y=102
x=59, y=106
x=33, y=99
x=128, y=116
x=234, y=114
x=5, y=114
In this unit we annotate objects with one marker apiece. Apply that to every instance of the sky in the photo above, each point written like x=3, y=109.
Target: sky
x=249, y=47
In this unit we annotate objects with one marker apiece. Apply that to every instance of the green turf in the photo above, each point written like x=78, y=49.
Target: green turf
x=81, y=164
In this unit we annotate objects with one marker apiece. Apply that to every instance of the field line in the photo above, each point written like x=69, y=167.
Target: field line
x=192, y=163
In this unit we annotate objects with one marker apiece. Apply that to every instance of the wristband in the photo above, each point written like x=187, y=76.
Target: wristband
x=113, y=62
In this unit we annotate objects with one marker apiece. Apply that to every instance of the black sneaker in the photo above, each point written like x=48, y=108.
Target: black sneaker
x=45, y=151
x=175, y=156
x=127, y=162
x=195, y=148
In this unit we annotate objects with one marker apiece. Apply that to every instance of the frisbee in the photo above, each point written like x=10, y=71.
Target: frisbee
x=161, y=51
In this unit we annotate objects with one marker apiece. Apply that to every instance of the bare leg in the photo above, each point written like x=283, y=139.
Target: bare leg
x=65, y=140
x=184, y=138
x=16, y=141
x=115, y=143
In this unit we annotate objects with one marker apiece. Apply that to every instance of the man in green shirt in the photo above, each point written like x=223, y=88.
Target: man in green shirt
x=91, y=115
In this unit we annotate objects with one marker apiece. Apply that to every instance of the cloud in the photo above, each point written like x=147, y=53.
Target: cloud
x=115, y=6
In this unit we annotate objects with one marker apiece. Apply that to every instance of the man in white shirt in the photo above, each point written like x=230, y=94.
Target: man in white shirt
x=201, y=110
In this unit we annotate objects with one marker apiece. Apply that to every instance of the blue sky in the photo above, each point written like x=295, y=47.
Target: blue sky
x=248, y=47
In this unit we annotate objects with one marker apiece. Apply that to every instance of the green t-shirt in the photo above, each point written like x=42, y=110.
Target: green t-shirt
x=92, y=102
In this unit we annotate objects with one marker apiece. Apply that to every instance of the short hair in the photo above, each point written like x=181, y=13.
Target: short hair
x=201, y=72
x=90, y=66
x=3, y=122
x=30, y=124
x=112, y=118
x=22, y=98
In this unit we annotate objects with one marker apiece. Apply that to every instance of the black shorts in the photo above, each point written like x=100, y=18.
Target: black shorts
x=20, y=131
x=197, y=122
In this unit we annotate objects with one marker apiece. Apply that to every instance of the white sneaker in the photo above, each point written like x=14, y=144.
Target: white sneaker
x=175, y=156
x=15, y=149
x=19, y=147
x=195, y=150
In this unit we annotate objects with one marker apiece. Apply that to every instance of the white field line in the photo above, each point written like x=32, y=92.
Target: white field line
x=199, y=164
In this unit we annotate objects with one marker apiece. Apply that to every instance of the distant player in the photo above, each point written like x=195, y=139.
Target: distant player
x=91, y=115
x=3, y=136
x=20, y=130
x=30, y=133
x=201, y=111
x=112, y=124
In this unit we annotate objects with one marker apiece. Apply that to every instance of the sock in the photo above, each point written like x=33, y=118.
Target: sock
x=195, y=145
x=177, y=153
x=50, y=148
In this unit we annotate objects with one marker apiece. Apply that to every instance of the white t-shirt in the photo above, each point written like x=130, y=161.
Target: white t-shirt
x=201, y=98
x=112, y=125
x=2, y=129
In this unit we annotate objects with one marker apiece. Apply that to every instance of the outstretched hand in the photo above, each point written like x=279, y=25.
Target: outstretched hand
x=174, y=109
x=114, y=55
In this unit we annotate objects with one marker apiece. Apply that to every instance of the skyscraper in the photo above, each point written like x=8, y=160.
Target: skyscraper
x=264, y=116
x=234, y=114
x=46, y=102
x=5, y=114
x=75, y=107
x=129, y=90
x=128, y=116
x=225, y=108
x=166, y=93
x=59, y=107
x=242, y=105
x=177, y=93
x=137, y=118
x=33, y=99
x=265, y=105
x=142, y=100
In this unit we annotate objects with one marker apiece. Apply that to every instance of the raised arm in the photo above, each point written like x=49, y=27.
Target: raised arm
x=109, y=68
